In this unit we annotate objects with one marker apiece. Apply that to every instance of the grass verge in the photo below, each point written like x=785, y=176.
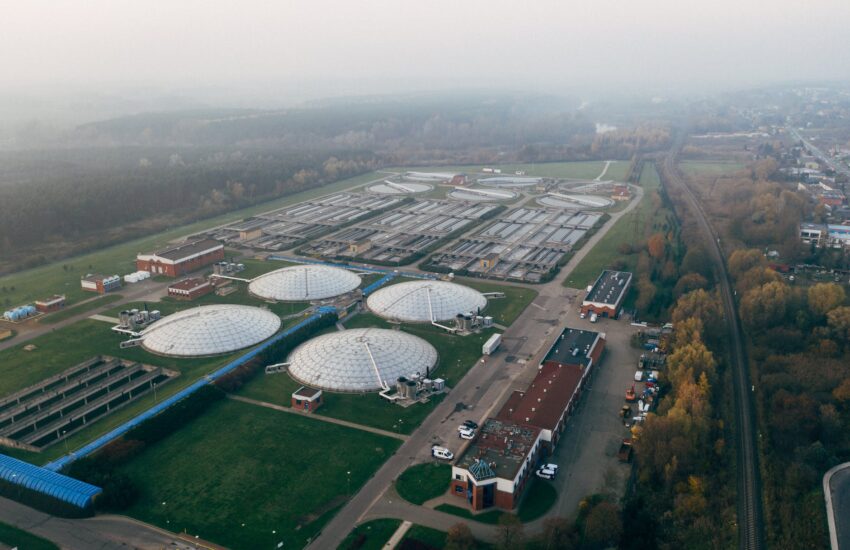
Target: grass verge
x=422, y=482
x=68, y=312
x=17, y=538
x=371, y=535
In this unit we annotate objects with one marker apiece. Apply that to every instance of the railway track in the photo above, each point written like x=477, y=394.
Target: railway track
x=750, y=532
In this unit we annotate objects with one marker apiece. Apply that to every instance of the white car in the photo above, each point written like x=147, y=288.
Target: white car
x=466, y=433
x=638, y=375
x=441, y=452
x=546, y=474
x=553, y=467
x=582, y=315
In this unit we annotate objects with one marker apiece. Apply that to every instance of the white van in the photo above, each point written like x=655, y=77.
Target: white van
x=593, y=317
x=441, y=452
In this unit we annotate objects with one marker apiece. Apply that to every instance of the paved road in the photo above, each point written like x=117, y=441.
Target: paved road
x=147, y=291
x=836, y=490
x=103, y=533
x=750, y=527
x=484, y=387
x=838, y=167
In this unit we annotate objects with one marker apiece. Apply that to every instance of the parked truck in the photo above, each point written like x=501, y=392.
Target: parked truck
x=492, y=344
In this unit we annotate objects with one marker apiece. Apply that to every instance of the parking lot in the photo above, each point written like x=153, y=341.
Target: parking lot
x=523, y=244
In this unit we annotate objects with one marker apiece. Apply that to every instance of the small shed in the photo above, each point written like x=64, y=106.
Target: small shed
x=307, y=399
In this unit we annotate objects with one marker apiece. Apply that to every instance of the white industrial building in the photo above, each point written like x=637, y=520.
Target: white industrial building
x=304, y=282
x=426, y=301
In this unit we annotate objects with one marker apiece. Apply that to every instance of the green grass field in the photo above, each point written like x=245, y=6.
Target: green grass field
x=65, y=347
x=580, y=170
x=709, y=168
x=422, y=482
x=426, y=535
x=457, y=355
x=249, y=477
x=503, y=310
x=371, y=535
x=632, y=228
x=12, y=537
x=68, y=312
x=63, y=277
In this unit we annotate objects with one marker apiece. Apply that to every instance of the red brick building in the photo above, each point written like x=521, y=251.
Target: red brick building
x=494, y=469
x=190, y=289
x=307, y=399
x=181, y=259
x=607, y=294
x=54, y=303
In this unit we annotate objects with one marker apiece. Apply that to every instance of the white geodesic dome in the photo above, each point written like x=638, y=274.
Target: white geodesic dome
x=210, y=330
x=425, y=301
x=304, y=282
x=360, y=359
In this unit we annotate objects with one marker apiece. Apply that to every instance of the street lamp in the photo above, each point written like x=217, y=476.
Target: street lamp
x=349, y=482
x=154, y=392
x=65, y=440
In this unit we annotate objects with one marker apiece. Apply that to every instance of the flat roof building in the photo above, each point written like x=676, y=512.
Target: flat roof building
x=100, y=283
x=54, y=303
x=306, y=399
x=190, y=289
x=607, y=294
x=494, y=469
x=181, y=259
x=830, y=235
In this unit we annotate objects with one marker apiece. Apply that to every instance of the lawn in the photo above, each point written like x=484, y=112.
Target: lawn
x=580, y=170
x=422, y=482
x=632, y=228
x=82, y=307
x=425, y=535
x=694, y=168
x=539, y=498
x=503, y=310
x=457, y=355
x=63, y=277
x=13, y=537
x=371, y=535
x=242, y=476
x=65, y=347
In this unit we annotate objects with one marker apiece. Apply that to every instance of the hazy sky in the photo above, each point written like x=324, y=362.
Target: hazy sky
x=540, y=45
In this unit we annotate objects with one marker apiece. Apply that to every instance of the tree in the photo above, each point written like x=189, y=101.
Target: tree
x=754, y=277
x=646, y=293
x=765, y=306
x=656, y=245
x=842, y=392
x=839, y=321
x=689, y=282
x=696, y=260
x=603, y=525
x=701, y=305
x=459, y=537
x=824, y=297
x=559, y=534
x=511, y=535
x=741, y=261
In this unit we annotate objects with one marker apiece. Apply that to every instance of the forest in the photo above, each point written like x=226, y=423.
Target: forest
x=110, y=181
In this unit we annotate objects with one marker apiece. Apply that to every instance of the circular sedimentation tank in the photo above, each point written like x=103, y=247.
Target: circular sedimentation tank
x=210, y=330
x=360, y=360
x=304, y=282
x=425, y=301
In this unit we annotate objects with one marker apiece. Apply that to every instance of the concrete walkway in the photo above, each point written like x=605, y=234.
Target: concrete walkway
x=604, y=170
x=105, y=319
x=398, y=535
x=319, y=417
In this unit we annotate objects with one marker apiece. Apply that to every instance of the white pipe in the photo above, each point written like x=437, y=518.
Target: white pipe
x=375, y=366
x=399, y=186
x=231, y=278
